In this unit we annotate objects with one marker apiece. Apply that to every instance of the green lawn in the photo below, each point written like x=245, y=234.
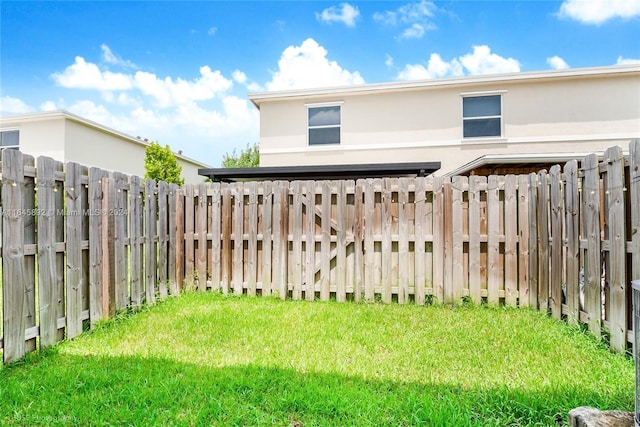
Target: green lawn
x=203, y=359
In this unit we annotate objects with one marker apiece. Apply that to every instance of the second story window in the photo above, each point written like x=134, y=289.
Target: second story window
x=324, y=124
x=10, y=139
x=482, y=116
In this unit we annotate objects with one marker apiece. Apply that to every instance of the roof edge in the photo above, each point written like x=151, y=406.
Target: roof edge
x=258, y=97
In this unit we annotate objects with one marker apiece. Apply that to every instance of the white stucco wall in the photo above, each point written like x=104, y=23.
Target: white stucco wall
x=69, y=138
x=583, y=113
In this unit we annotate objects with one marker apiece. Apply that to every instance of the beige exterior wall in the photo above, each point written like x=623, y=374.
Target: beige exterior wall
x=40, y=138
x=582, y=113
x=68, y=138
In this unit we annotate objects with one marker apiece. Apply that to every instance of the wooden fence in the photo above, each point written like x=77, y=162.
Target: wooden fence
x=562, y=241
x=78, y=244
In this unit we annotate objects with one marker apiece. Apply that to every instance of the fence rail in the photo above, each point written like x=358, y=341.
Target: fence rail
x=79, y=244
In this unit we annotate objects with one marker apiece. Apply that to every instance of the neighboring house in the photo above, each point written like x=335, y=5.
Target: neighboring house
x=71, y=138
x=509, y=120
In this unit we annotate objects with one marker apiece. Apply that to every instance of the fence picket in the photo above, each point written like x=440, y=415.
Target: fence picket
x=252, y=245
x=163, y=238
x=543, y=240
x=325, y=244
x=438, y=239
x=173, y=238
x=475, y=184
x=13, y=272
x=511, y=240
x=593, y=254
x=267, y=248
x=420, y=228
x=135, y=236
x=572, y=237
x=150, y=255
x=238, y=238
x=616, y=235
x=73, y=237
x=634, y=200
x=47, y=250
x=493, y=242
x=555, y=283
x=200, y=241
x=310, y=244
x=523, y=242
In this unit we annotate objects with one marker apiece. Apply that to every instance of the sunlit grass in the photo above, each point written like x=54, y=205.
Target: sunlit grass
x=204, y=359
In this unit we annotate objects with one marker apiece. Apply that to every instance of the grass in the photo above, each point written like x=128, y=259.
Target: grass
x=204, y=359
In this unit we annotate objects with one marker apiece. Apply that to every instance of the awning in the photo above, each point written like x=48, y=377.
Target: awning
x=321, y=172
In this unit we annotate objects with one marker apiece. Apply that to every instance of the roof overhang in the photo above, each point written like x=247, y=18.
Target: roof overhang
x=321, y=172
x=543, y=160
x=363, y=89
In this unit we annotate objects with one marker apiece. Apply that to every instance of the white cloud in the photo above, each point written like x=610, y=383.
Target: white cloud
x=599, y=11
x=346, y=14
x=48, y=106
x=212, y=31
x=623, y=61
x=241, y=78
x=388, y=61
x=11, y=105
x=557, y=63
x=113, y=59
x=415, y=31
x=307, y=66
x=417, y=17
x=435, y=68
x=196, y=115
x=86, y=75
x=480, y=61
x=168, y=92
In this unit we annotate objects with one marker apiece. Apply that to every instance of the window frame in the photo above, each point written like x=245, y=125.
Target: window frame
x=6, y=147
x=466, y=95
x=338, y=126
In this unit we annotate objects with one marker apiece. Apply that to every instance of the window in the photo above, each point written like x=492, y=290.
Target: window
x=9, y=139
x=324, y=125
x=482, y=116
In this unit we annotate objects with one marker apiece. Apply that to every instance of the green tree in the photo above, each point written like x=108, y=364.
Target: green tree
x=162, y=165
x=247, y=158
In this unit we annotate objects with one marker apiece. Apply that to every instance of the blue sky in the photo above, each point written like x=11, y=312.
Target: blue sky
x=179, y=72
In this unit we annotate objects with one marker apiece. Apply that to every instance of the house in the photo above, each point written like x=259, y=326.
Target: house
x=70, y=138
x=512, y=123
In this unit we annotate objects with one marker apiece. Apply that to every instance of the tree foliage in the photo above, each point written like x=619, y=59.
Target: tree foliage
x=247, y=158
x=161, y=164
